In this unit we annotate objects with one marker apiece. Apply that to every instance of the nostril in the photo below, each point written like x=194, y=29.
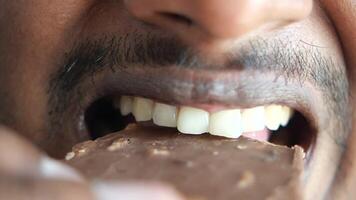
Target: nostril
x=178, y=18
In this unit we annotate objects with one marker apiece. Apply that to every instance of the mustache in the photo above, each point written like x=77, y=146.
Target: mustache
x=286, y=57
x=148, y=50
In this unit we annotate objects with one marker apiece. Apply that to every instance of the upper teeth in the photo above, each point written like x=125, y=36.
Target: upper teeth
x=142, y=109
x=193, y=120
x=165, y=115
x=276, y=116
x=228, y=123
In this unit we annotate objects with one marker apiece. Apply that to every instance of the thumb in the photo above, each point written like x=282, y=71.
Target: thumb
x=133, y=191
x=17, y=156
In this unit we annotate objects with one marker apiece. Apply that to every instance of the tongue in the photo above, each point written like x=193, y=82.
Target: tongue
x=258, y=135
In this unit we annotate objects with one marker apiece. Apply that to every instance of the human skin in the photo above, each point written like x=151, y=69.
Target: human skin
x=39, y=38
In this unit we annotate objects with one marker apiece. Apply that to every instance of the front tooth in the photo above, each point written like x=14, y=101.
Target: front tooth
x=125, y=105
x=285, y=115
x=253, y=119
x=192, y=120
x=142, y=109
x=165, y=115
x=273, y=115
x=226, y=123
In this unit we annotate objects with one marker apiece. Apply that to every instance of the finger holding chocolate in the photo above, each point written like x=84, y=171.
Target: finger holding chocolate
x=26, y=173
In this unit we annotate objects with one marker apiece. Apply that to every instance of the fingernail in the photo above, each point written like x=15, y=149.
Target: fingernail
x=133, y=191
x=52, y=169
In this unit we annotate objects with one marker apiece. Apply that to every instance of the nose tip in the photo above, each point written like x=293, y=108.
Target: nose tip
x=217, y=19
x=167, y=14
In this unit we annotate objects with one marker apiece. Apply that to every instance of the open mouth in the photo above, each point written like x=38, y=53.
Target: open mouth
x=278, y=124
x=228, y=102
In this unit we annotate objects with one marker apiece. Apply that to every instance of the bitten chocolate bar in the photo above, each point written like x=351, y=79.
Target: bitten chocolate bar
x=201, y=167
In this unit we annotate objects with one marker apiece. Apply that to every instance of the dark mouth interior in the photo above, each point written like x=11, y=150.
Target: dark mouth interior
x=102, y=118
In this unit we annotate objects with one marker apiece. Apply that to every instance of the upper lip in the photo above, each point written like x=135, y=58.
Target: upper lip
x=230, y=88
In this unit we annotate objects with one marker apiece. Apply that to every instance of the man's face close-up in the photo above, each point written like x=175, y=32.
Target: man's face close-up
x=281, y=71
